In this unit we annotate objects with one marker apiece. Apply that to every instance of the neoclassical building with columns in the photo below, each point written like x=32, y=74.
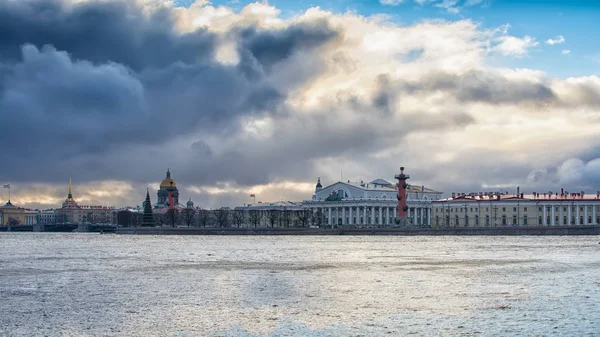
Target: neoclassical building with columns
x=370, y=204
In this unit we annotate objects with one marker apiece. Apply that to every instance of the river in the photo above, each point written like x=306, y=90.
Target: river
x=71, y=284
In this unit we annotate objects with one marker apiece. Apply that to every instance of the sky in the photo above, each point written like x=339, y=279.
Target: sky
x=240, y=97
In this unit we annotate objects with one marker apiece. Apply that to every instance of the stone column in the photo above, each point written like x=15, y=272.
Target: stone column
x=552, y=219
x=395, y=212
x=380, y=215
x=577, y=215
x=545, y=217
x=560, y=216
x=428, y=216
x=343, y=215
x=585, y=215
x=329, y=216
x=364, y=215
x=372, y=215
x=568, y=215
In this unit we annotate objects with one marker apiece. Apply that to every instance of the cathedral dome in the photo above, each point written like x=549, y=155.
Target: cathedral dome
x=168, y=182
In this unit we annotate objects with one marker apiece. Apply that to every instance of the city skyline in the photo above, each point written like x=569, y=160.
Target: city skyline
x=241, y=98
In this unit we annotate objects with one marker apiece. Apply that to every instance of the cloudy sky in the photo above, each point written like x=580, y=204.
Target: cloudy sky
x=240, y=97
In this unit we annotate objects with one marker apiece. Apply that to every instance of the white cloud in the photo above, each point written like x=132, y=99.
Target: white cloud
x=557, y=40
x=565, y=52
x=514, y=46
x=390, y=2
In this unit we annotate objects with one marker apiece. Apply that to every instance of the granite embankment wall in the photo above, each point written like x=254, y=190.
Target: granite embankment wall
x=576, y=230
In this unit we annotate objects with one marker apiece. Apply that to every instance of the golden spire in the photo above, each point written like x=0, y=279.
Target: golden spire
x=70, y=187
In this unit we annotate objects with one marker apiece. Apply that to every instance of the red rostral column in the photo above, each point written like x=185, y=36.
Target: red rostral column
x=402, y=207
x=171, y=200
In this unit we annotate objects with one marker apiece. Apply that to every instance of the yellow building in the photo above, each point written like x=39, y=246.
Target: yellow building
x=536, y=209
x=16, y=216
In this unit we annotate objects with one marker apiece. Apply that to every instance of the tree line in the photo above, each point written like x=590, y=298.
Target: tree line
x=225, y=217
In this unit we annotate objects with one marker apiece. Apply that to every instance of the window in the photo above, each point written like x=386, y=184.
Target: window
x=589, y=219
x=503, y=209
x=525, y=220
x=448, y=220
x=456, y=220
x=514, y=209
x=581, y=220
x=487, y=220
x=471, y=209
x=540, y=209
x=540, y=221
x=466, y=220
x=437, y=220
x=476, y=220
x=475, y=209
x=514, y=222
x=525, y=209
x=564, y=220
x=504, y=220
x=564, y=209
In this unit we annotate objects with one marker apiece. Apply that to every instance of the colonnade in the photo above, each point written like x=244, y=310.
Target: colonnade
x=373, y=215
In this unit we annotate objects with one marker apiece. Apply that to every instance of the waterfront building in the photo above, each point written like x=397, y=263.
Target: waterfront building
x=168, y=189
x=72, y=212
x=46, y=217
x=11, y=215
x=371, y=204
x=490, y=209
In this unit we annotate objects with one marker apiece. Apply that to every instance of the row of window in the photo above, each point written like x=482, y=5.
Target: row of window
x=540, y=209
x=504, y=220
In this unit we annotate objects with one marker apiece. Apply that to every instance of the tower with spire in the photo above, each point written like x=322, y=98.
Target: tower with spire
x=70, y=202
x=190, y=203
x=148, y=217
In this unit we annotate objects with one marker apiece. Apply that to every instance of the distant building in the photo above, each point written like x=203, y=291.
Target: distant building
x=370, y=204
x=71, y=212
x=47, y=216
x=14, y=216
x=168, y=194
x=490, y=209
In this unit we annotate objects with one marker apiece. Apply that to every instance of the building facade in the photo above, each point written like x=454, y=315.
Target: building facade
x=536, y=209
x=11, y=215
x=73, y=213
x=371, y=204
x=168, y=189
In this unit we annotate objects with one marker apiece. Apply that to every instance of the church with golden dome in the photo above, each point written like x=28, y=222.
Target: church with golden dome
x=167, y=186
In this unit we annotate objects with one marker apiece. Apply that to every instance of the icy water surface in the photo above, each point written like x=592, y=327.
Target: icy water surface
x=109, y=285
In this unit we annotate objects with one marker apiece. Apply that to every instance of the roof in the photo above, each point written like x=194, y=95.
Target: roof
x=489, y=197
x=382, y=182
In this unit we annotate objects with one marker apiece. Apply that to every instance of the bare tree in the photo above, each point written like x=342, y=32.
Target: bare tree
x=203, y=217
x=286, y=217
x=136, y=219
x=188, y=216
x=14, y=221
x=273, y=216
x=317, y=218
x=255, y=216
x=304, y=216
x=222, y=216
x=238, y=216
x=159, y=218
x=172, y=216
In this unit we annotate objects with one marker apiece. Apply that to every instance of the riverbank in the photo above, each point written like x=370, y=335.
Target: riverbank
x=574, y=230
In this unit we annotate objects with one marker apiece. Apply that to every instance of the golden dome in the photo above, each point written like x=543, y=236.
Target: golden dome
x=168, y=182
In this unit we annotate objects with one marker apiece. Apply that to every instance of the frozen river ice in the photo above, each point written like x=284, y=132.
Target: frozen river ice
x=109, y=285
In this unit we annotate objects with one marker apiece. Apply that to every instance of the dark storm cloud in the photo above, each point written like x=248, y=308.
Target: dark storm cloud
x=100, y=32
x=269, y=47
x=87, y=80
x=486, y=87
